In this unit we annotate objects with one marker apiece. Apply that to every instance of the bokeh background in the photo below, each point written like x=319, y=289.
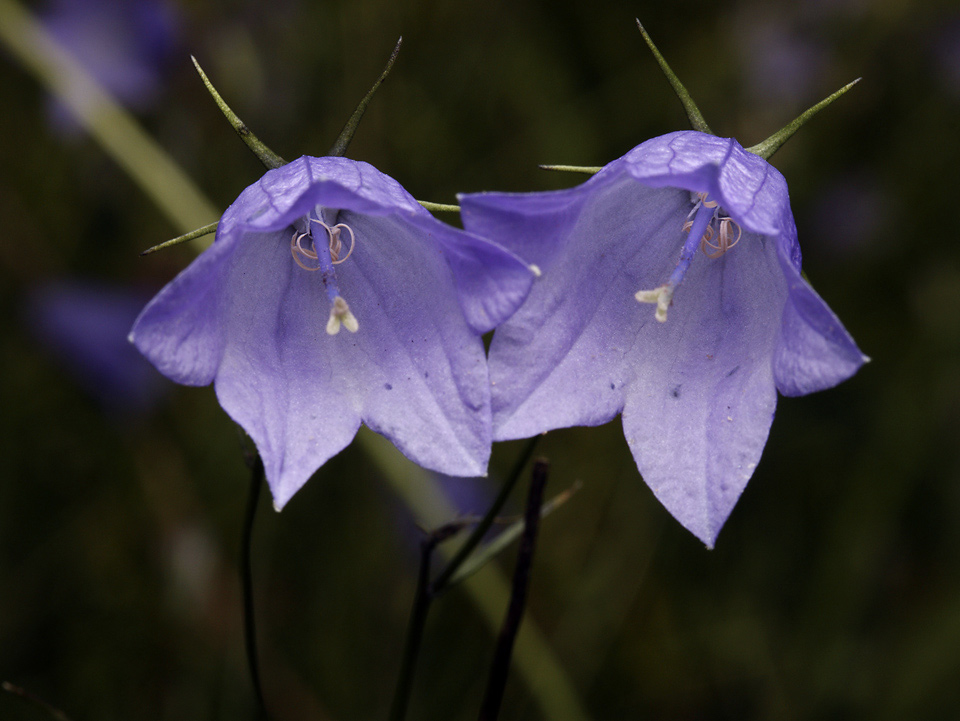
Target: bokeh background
x=834, y=589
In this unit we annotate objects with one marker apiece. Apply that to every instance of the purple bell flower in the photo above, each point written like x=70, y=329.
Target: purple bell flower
x=696, y=377
x=412, y=294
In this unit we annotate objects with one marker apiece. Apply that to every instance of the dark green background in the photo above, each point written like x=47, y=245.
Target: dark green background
x=834, y=590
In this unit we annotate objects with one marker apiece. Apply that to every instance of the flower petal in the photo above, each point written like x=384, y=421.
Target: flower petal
x=560, y=361
x=815, y=351
x=421, y=367
x=699, y=407
x=179, y=330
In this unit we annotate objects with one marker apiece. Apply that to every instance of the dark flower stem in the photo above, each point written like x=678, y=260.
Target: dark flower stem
x=246, y=578
x=492, y=698
x=439, y=585
x=427, y=591
x=418, y=620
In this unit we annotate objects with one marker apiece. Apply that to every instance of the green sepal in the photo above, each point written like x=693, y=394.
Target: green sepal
x=488, y=552
x=439, y=207
x=266, y=156
x=339, y=148
x=186, y=237
x=585, y=169
x=772, y=144
x=693, y=112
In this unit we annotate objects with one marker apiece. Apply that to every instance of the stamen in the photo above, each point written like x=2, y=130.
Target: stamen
x=340, y=315
x=336, y=245
x=707, y=203
x=725, y=242
x=297, y=250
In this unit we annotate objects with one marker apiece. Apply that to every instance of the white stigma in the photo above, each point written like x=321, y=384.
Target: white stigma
x=340, y=315
x=662, y=296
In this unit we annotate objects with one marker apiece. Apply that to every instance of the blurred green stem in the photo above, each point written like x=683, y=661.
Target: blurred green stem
x=110, y=125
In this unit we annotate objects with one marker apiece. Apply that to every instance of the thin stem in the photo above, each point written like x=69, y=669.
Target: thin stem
x=439, y=207
x=418, y=619
x=52, y=710
x=246, y=576
x=440, y=584
x=585, y=169
x=412, y=643
x=493, y=697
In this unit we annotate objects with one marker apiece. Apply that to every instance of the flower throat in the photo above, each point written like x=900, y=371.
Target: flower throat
x=322, y=256
x=713, y=242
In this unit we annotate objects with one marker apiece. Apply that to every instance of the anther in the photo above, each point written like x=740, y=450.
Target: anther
x=725, y=241
x=298, y=251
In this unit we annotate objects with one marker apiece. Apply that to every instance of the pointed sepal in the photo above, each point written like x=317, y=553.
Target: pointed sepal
x=439, y=207
x=339, y=148
x=693, y=112
x=772, y=144
x=585, y=169
x=186, y=237
x=266, y=156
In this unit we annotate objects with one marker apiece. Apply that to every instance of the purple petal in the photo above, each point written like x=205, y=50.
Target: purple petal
x=815, y=351
x=560, y=360
x=699, y=410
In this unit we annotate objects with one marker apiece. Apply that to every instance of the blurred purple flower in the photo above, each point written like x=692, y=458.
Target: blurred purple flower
x=779, y=62
x=124, y=44
x=85, y=326
x=698, y=389
x=413, y=294
x=849, y=215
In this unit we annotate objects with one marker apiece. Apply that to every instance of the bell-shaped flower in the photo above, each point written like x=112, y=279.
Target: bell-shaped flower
x=701, y=230
x=331, y=298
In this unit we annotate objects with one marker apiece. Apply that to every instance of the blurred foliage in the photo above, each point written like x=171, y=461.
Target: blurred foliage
x=833, y=591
